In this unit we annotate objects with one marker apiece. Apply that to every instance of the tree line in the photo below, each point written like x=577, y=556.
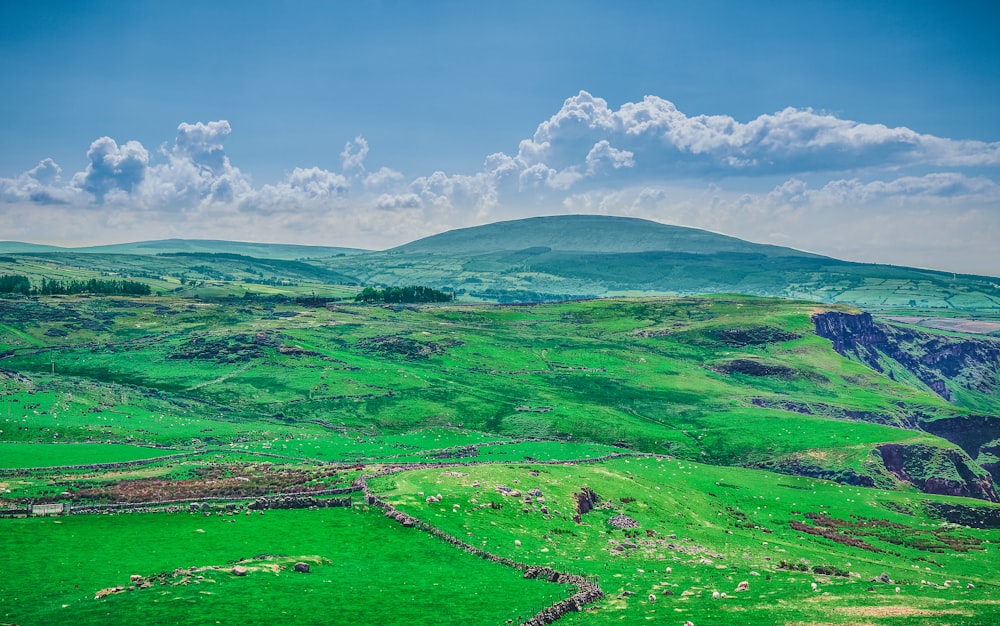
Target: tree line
x=399, y=295
x=17, y=284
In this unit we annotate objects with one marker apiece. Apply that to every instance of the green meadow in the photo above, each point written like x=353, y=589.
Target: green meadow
x=703, y=529
x=363, y=569
x=752, y=452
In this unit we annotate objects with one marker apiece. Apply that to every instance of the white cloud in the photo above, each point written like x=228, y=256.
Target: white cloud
x=112, y=168
x=383, y=177
x=354, y=154
x=661, y=140
x=796, y=177
x=40, y=185
x=391, y=202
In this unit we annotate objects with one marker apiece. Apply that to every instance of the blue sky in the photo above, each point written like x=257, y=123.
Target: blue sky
x=865, y=130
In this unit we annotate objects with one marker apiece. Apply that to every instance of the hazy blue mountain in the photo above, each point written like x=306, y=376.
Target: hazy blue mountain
x=16, y=247
x=574, y=256
x=586, y=233
x=258, y=250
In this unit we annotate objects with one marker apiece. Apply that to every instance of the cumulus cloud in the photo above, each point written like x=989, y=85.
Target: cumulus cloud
x=40, y=185
x=796, y=176
x=203, y=143
x=112, y=168
x=660, y=139
x=391, y=202
x=304, y=189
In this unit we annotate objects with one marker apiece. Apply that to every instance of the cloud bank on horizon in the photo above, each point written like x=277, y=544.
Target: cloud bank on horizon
x=796, y=177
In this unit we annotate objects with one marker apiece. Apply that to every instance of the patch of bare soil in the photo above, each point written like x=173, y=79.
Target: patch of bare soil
x=895, y=610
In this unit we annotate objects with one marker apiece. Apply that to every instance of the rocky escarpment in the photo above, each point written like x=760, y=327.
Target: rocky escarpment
x=938, y=470
x=978, y=435
x=935, y=359
x=945, y=363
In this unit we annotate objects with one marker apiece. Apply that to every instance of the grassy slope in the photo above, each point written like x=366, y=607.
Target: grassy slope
x=650, y=374
x=70, y=559
x=647, y=374
x=713, y=526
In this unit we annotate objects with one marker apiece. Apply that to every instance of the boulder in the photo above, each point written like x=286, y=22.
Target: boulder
x=301, y=567
x=239, y=570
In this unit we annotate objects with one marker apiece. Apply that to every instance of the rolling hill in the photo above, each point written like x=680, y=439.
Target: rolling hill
x=819, y=464
x=205, y=246
x=586, y=234
x=580, y=256
x=530, y=260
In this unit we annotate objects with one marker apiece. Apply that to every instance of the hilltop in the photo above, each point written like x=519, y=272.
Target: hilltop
x=588, y=234
x=581, y=256
x=274, y=251
x=529, y=260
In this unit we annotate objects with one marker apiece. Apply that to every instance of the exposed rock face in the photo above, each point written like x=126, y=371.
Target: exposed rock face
x=585, y=500
x=976, y=517
x=941, y=362
x=928, y=469
x=970, y=363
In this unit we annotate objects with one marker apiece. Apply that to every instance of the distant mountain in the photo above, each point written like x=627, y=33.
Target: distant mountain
x=258, y=250
x=18, y=247
x=577, y=256
x=541, y=259
x=591, y=234
x=210, y=246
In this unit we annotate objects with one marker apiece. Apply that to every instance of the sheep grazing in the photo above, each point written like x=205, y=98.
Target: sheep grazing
x=897, y=589
x=743, y=586
x=517, y=542
x=814, y=587
x=668, y=570
x=652, y=597
x=970, y=586
x=689, y=623
x=715, y=595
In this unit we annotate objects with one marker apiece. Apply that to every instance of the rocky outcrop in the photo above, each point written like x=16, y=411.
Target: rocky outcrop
x=586, y=499
x=935, y=359
x=976, y=517
x=799, y=466
x=969, y=432
x=937, y=470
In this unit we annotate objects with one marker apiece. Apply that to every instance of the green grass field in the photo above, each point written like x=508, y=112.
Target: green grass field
x=714, y=527
x=275, y=397
x=363, y=569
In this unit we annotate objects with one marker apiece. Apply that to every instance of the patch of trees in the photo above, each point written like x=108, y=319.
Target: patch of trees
x=21, y=285
x=399, y=295
x=15, y=284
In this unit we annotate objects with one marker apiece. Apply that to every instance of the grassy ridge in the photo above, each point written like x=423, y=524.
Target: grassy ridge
x=715, y=527
x=703, y=379
x=279, y=397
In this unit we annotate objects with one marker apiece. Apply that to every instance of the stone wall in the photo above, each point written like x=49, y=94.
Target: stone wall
x=587, y=590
